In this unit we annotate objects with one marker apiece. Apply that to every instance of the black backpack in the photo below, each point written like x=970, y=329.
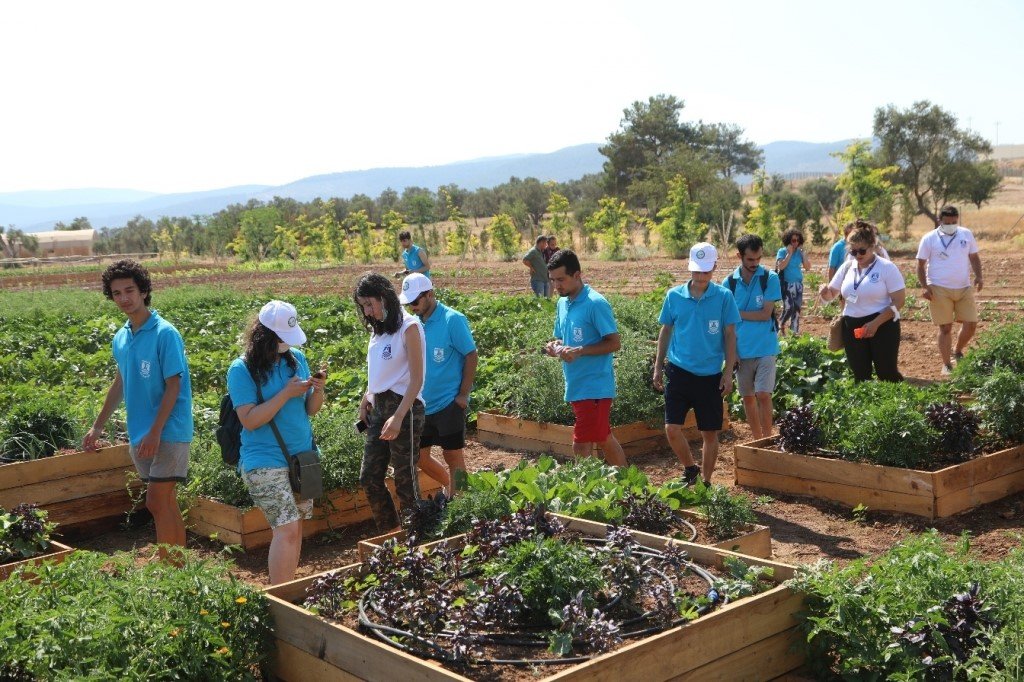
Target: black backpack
x=229, y=432
x=731, y=280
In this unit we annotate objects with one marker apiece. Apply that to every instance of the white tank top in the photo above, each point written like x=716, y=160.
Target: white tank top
x=387, y=359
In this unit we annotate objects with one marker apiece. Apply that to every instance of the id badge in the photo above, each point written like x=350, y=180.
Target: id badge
x=943, y=255
x=852, y=298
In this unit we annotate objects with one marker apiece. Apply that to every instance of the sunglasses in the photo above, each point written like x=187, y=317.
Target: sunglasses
x=417, y=299
x=858, y=252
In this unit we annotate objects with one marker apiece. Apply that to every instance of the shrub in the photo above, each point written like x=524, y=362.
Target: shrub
x=100, y=617
x=1001, y=402
x=37, y=428
x=1001, y=348
x=24, y=533
x=727, y=514
x=798, y=430
x=957, y=427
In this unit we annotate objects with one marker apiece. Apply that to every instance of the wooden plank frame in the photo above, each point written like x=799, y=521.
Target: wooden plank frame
x=498, y=430
x=932, y=494
x=755, y=541
x=56, y=554
x=249, y=527
x=74, y=488
x=750, y=639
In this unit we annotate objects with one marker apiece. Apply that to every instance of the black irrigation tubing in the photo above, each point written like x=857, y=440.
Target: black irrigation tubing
x=382, y=632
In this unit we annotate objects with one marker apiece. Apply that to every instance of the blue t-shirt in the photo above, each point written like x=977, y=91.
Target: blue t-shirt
x=412, y=259
x=794, y=271
x=837, y=254
x=449, y=341
x=260, y=449
x=698, y=327
x=755, y=338
x=146, y=359
x=584, y=321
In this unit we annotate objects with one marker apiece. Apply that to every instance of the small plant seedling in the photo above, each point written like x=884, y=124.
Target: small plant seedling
x=860, y=513
x=763, y=500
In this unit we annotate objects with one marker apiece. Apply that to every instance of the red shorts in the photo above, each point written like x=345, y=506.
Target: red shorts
x=593, y=420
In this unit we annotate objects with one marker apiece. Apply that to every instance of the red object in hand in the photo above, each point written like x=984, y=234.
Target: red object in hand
x=858, y=333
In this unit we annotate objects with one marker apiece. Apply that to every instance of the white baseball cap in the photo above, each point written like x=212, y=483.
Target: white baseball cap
x=281, y=318
x=414, y=285
x=703, y=257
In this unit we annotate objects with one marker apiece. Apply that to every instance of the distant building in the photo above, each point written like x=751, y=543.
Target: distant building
x=63, y=243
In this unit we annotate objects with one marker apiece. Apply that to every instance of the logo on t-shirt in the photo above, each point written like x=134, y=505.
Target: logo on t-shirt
x=713, y=326
x=874, y=277
x=759, y=300
x=386, y=353
x=577, y=334
x=963, y=243
x=439, y=355
x=144, y=368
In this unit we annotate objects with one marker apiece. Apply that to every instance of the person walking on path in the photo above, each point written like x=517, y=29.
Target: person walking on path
x=873, y=293
x=535, y=263
x=756, y=290
x=451, y=361
x=790, y=262
x=415, y=257
x=392, y=407
x=585, y=336
x=698, y=340
x=153, y=379
x=271, y=382
x=945, y=258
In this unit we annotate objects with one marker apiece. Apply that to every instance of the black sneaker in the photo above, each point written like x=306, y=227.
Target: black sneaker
x=690, y=475
x=957, y=357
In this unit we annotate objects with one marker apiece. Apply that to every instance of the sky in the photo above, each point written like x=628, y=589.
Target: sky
x=183, y=96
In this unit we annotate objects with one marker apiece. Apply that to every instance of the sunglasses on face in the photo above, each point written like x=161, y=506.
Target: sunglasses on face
x=416, y=300
x=858, y=252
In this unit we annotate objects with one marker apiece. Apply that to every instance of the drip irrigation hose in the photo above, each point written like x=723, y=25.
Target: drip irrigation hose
x=432, y=650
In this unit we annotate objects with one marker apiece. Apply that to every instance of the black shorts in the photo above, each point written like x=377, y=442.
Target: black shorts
x=452, y=422
x=685, y=390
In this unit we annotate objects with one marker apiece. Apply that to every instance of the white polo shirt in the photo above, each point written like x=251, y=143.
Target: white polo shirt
x=948, y=259
x=867, y=291
x=387, y=359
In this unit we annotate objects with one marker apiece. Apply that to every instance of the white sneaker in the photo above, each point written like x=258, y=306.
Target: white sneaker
x=947, y=370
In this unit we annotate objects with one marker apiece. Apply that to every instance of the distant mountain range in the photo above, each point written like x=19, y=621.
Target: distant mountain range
x=36, y=211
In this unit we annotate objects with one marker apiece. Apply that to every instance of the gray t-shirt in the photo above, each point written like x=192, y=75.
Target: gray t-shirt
x=540, y=268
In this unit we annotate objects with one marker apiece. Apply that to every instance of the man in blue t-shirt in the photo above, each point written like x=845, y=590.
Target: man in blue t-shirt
x=152, y=377
x=415, y=257
x=585, y=338
x=756, y=290
x=698, y=334
x=836, y=257
x=449, y=375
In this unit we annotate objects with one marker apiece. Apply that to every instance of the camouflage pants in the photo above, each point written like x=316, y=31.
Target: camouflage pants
x=401, y=453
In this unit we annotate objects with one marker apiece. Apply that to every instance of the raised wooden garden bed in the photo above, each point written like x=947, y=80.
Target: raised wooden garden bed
x=750, y=639
x=249, y=528
x=755, y=541
x=932, y=494
x=74, y=488
x=56, y=553
x=498, y=430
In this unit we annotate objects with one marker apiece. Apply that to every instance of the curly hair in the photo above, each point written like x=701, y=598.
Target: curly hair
x=861, y=231
x=788, y=235
x=261, y=351
x=375, y=285
x=128, y=269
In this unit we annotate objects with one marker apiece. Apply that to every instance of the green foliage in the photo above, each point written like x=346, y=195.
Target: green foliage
x=470, y=505
x=110, y=618
x=24, y=533
x=868, y=190
x=37, y=427
x=999, y=348
x=878, y=421
x=504, y=236
x=558, y=223
x=393, y=222
x=549, y=572
x=850, y=612
x=1001, y=403
x=727, y=514
x=611, y=222
x=679, y=226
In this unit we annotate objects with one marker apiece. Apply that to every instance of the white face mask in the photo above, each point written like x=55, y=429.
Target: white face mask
x=283, y=347
x=948, y=229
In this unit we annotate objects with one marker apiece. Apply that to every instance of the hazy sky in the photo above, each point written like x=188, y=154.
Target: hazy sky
x=183, y=95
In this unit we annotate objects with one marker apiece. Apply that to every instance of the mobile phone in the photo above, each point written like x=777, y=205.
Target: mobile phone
x=320, y=374
x=360, y=426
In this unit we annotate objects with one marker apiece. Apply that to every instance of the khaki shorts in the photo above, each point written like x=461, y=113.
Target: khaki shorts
x=952, y=305
x=271, y=491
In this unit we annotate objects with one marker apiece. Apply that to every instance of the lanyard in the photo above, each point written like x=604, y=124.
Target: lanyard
x=857, y=279
x=945, y=244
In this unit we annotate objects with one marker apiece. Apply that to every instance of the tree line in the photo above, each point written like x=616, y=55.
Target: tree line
x=663, y=175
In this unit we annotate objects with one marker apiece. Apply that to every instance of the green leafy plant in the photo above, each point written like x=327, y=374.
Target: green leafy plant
x=1001, y=348
x=101, y=617
x=727, y=514
x=37, y=428
x=24, y=532
x=1001, y=402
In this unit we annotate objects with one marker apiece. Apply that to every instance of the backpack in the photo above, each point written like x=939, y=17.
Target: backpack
x=229, y=432
x=731, y=280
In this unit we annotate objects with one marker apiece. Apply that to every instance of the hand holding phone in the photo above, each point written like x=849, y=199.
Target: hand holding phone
x=360, y=426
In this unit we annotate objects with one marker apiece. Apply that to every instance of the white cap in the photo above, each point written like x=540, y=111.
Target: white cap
x=703, y=257
x=281, y=318
x=414, y=285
